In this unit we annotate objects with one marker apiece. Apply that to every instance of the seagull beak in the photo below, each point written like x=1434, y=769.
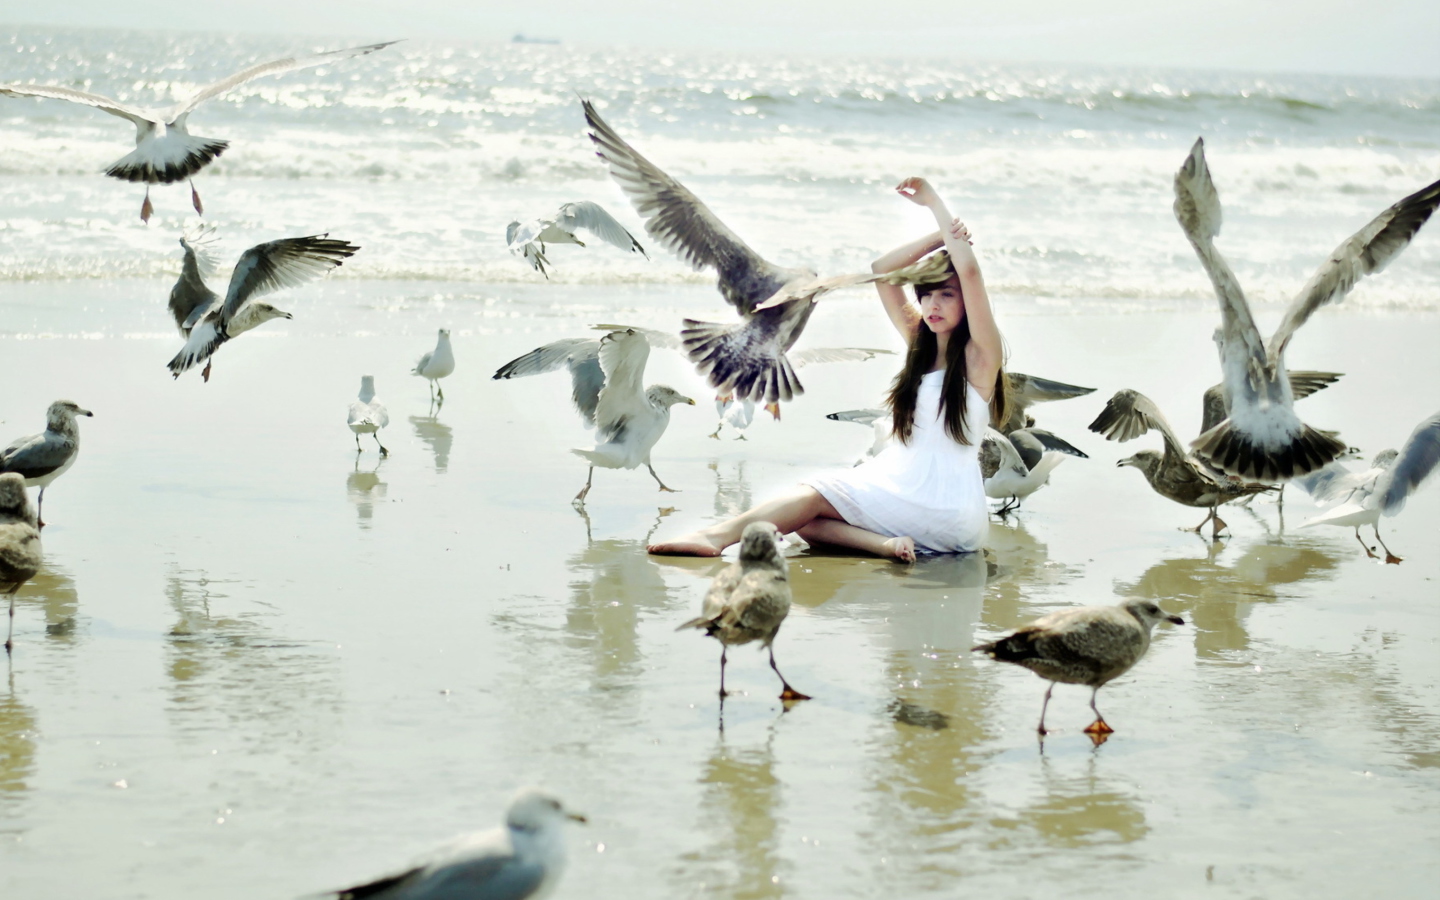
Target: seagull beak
x=774, y=410
x=85, y=412
x=689, y=401
x=288, y=316
x=1175, y=619
x=576, y=817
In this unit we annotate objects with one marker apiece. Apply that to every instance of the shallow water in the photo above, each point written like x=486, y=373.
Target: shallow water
x=257, y=666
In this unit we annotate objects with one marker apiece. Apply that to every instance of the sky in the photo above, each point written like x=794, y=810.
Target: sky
x=1382, y=37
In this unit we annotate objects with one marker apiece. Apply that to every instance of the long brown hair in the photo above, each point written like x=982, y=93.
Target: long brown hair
x=920, y=359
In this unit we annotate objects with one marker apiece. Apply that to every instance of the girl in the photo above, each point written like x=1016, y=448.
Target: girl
x=925, y=489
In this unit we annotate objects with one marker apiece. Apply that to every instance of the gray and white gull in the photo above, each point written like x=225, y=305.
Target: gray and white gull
x=42, y=458
x=208, y=321
x=1262, y=438
x=608, y=390
x=437, y=364
x=368, y=415
x=165, y=150
x=522, y=860
x=1018, y=464
x=528, y=241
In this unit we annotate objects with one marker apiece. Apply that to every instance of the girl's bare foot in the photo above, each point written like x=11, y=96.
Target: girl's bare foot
x=693, y=544
x=902, y=548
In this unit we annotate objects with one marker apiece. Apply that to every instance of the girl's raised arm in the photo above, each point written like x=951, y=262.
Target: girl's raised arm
x=903, y=314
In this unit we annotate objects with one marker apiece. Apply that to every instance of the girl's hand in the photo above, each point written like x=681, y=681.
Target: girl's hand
x=918, y=191
x=959, y=232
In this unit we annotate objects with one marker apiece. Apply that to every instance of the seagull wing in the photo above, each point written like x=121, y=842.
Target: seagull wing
x=360, y=414
x=1130, y=414
x=593, y=218
x=1365, y=252
x=664, y=340
x=191, y=298
x=143, y=118
x=684, y=225
x=482, y=865
x=580, y=355
x=278, y=264
x=1028, y=389
x=622, y=358
x=1416, y=464
x=273, y=67
x=835, y=354
x=36, y=455
x=1008, y=455
x=858, y=416
x=1054, y=443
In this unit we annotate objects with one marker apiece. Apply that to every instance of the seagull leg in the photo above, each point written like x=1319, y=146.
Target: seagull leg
x=376, y=436
x=1368, y=552
x=716, y=433
x=358, y=449
x=1044, y=706
x=40, y=511
x=788, y=693
x=1098, y=726
x=1217, y=523
x=11, y=633
x=658, y=481
x=723, y=650
x=580, y=497
x=195, y=199
x=1389, y=557
x=441, y=390
x=205, y=372
x=146, y=209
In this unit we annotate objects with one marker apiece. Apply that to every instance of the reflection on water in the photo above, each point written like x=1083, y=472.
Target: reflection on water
x=732, y=489
x=741, y=795
x=54, y=588
x=1218, y=597
x=436, y=435
x=1080, y=810
x=1026, y=574
x=228, y=673
x=364, y=487
x=17, y=746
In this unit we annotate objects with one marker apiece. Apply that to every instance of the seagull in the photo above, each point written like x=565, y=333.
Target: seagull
x=262, y=269
x=747, y=359
x=877, y=419
x=1023, y=391
x=1262, y=438
x=529, y=240
x=437, y=364
x=748, y=600
x=1382, y=489
x=741, y=414
x=165, y=151
x=20, y=554
x=368, y=415
x=1018, y=464
x=1177, y=474
x=42, y=458
x=606, y=375
x=1090, y=645
x=521, y=860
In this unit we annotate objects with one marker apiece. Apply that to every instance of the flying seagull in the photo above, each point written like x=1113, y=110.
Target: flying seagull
x=1262, y=438
x=1090, y=645
x=20, y=553
x=1024, y=391
x=261, y=270
x=528, y=241
x=165, y=151
x=747, y=359
x=1383, y=489
x=748, y=600
x=368, y=415
x=520, y=861
x=42, y=458
x=607, y=380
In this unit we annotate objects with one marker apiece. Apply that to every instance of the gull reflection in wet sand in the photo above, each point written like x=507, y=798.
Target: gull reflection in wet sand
x=17, y=748
x=437, y=437
x=741, y=795
x=54, y=588
x=364, y=487
x=1219, y=597
x=229, y=674
x=1077, y=810
x=732, y=491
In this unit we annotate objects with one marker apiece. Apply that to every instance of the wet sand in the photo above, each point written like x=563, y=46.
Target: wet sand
x=257, y=666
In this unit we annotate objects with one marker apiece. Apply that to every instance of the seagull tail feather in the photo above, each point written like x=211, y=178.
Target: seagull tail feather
x=720, y=353
x=1237, y=453
x=175, y=158
x=1012, y=648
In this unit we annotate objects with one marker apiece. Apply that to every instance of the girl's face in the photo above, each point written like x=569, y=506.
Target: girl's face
x=943, y=309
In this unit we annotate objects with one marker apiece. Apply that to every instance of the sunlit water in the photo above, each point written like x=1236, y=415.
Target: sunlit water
x=257, y=665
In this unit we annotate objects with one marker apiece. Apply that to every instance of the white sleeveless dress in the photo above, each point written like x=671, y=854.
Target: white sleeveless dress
x=929, y=489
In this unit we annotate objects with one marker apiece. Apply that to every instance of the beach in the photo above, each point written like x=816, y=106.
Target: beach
x=259, y=664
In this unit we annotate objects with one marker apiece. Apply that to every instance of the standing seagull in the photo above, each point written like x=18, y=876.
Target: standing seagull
x=1091, y=645
x=262, y=269
x=1262, y=438
x=749, y=600
x=747, y=359
x=20, y=555
x=1383, y=489
x=436, y=364
x=165, y=152
x=521, y=861
x=42, y=458
x=368, y=415
x=529, y=240
x=1018, y=464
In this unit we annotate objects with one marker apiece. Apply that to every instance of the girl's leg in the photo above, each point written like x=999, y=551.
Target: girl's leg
x=843, y=534
x=788, y=513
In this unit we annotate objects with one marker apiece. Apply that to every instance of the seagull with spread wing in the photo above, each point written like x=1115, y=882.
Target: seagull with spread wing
x=528, y=241
x=747, y=359
x=607, y=377
x=1262, y=438
x=1023, y=391
x=1018, y=464
x=262, y=269
x=165, y=151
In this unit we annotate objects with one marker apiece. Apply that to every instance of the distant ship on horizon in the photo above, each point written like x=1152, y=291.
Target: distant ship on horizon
x=522, y=39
